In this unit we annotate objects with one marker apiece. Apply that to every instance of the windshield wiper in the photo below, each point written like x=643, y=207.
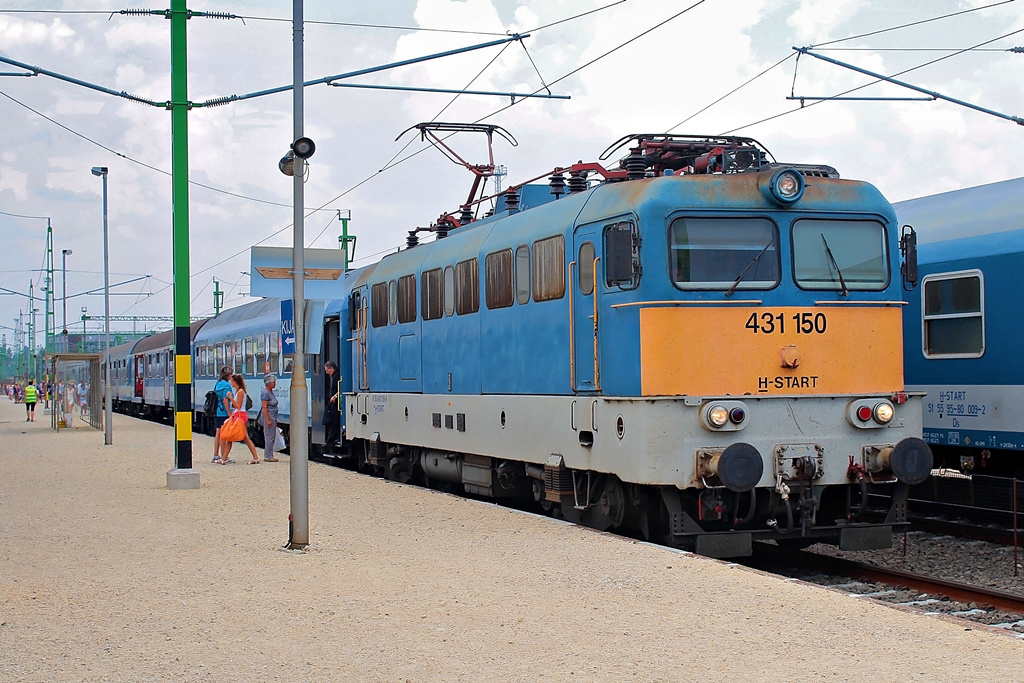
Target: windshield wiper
x=832, y=259
x=750, y=265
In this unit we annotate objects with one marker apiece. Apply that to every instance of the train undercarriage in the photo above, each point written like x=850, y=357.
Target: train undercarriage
x=711, y=521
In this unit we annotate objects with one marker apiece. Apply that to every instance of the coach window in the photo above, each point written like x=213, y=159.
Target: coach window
x=261, y=355
x=840, y=255
x=197, y=360
x=954, y=315
x=523, y=274
x=549, y=268
x=392, y=302
x=449, y=290
x=498, y=286
x=585, y=266
x=273, y=352
x=724, y=253
x=250, y=366
x=407, y=299
x=467, y=286
x=379, y=304
x=239, y=357
x=432, y=294
x=218, y=357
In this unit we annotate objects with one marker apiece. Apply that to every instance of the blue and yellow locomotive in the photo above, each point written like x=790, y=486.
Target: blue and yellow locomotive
x=701, y=345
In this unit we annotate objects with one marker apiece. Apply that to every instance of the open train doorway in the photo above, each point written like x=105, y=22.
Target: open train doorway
x=319, y=382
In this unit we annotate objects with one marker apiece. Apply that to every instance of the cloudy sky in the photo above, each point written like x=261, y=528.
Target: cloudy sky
x=632, y=66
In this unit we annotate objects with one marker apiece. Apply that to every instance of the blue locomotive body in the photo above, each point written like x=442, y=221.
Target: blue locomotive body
x=964, y=330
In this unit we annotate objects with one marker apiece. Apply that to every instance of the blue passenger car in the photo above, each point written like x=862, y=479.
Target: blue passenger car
x=964, y=329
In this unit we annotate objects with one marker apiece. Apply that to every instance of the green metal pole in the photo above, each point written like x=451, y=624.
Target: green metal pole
x=179, y=106
x=218, y=297
x=345, y=239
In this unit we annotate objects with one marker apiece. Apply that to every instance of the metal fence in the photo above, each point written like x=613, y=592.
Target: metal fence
x=76, y=390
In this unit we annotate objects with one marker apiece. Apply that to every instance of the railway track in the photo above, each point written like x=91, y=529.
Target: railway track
x=989, y=606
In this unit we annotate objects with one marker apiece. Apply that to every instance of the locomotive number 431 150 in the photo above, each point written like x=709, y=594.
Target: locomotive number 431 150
x=775, y=323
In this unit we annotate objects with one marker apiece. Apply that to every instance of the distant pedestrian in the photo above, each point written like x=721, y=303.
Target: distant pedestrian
x=31, y=396
x=268, y=417
x=223, y=389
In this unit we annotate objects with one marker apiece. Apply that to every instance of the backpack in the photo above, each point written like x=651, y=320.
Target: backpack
x=210, y=407
x=248, y=402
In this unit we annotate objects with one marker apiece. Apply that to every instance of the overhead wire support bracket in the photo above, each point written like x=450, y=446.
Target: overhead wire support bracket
x=452, y=91
x=931, y=93
x=361, y=72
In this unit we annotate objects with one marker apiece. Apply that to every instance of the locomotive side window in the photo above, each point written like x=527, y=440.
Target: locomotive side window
x=498, y=285
x=523, y=274
x=585, y=265
x=621, y=256
x=840, y=255
x=379, y=304
x=407, y=299
x=724, y=253
x=467, y=286
x=449, y=290
x=954, y=315
x=392, y=303
x=549, y=268
x=432, y=294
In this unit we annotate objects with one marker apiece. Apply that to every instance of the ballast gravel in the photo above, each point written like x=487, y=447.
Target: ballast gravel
x=106, y=575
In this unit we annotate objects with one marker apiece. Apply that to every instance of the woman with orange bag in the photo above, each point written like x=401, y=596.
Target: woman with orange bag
x=237, y=426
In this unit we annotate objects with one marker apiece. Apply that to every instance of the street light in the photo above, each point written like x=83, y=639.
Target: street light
x=64, y=297
x=81, y=347
x=108, y=437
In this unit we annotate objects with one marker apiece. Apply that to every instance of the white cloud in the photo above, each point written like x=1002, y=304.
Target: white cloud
x=15, y=182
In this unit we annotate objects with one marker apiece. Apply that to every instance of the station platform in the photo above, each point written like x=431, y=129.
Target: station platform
x=106, y=574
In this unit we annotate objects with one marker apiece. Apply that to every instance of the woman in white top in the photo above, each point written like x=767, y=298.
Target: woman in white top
x=237, y=397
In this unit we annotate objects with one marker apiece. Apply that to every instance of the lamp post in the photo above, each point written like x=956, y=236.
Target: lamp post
x=64, y=253
x=108, y=435
x=81, y=346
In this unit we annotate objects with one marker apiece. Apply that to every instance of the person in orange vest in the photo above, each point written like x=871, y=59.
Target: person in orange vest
x=31, y=396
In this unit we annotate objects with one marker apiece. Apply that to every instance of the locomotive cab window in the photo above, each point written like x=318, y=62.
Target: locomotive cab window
x=622, y=256
x=724, y=253
x=585, y=266
x=837, y=255
x=954, y=315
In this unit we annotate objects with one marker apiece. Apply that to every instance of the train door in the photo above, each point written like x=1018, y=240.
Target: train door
x=359, y=316
x=140, y=376
x=318, y=378
x=583, y=268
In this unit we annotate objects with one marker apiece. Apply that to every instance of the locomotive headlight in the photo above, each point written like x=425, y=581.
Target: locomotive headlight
x=785, y=186
x=884, y=412
x=718, y=416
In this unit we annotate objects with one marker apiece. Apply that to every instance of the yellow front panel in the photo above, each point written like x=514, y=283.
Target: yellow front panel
x=752, y=350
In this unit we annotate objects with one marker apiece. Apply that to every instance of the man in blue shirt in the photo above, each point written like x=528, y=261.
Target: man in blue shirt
x=223, y=389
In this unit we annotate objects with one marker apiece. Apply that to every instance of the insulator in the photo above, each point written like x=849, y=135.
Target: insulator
x=557, y=184
x=442, y=230
x=1018, y=50
x=220, y=101
x=412, y=240
x=512, y=200
x=217, y=15
x=139, y=12
x=636, y=165
x=466, y=216
x=490, y=212
x=577, y=181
